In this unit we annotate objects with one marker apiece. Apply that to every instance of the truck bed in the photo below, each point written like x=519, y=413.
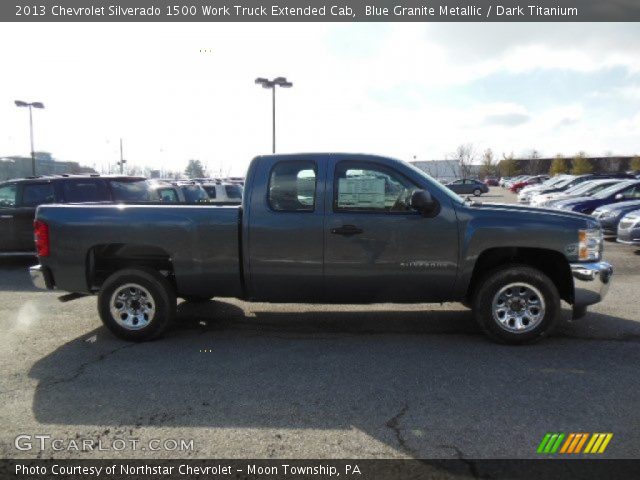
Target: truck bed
x=192, y=241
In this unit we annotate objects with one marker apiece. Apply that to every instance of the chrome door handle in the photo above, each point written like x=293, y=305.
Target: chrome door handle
x=6, y=216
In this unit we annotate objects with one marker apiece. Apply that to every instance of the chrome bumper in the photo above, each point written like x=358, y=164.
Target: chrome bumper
x=41, y=277
x=590, y=282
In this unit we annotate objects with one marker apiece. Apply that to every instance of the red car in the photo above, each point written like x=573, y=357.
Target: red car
x=491, y=182
x=516, y=187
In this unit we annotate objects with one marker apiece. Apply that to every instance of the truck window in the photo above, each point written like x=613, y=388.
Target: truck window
x=233, y=191
x=292, y=186
x=130, y=191
x=194, y=194
x=369, y=188
x=84, y=191
x=8, y=196
x=36, y=194
x=168, y=195
x=211, y=190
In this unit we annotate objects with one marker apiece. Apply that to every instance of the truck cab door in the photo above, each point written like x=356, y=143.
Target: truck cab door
x=377, y=249
x=8, y=198
x=285, y=221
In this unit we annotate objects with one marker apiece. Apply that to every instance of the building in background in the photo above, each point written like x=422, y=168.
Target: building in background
x=446, y=170
x=20, y=167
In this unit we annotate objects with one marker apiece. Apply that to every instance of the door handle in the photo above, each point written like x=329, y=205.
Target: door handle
x=347, y=230
x=6, y=216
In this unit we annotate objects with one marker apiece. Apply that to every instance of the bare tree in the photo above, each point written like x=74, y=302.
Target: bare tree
x=534, y=165
x=465, y=154
x=488, y=164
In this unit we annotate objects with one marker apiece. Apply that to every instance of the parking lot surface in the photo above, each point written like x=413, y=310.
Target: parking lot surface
x=250, y=380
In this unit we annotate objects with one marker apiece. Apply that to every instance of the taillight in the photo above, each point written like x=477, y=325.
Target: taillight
x=41, y=237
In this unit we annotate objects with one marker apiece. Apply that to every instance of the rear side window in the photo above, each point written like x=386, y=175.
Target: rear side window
x=8, y=196
x=84, y=191
x=233, y=191
x=137, y=191
x=211, y=190
x=168, y=195
x=194, y=194
x=292, y=186
x=37, y=194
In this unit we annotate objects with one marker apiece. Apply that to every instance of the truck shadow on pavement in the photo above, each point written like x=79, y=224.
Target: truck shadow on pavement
x=10, y=266
x=424, y=382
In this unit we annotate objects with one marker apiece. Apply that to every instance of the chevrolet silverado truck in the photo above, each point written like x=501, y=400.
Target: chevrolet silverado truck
x=326, y=228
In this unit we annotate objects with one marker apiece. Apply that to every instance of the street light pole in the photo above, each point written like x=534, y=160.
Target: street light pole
x=272, y=84
x=30, y=105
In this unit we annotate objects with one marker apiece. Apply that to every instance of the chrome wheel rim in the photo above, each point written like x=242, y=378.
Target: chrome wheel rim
x=518, y=307
x=132, y=306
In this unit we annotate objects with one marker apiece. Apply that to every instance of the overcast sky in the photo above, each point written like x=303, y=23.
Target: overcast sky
x=398, y=89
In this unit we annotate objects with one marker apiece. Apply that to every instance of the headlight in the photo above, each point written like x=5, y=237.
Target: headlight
x=589, y=244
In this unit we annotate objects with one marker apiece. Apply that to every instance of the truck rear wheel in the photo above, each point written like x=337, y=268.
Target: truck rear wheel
x=517, y=304
x=137, y=304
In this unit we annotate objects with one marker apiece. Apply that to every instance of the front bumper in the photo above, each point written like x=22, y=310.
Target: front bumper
x=590, y=282
x=41, y=277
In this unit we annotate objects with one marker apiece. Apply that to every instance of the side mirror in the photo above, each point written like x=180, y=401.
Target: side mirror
x=422, y=201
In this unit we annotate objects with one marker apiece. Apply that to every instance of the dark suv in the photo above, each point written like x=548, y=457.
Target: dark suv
x=19, y=199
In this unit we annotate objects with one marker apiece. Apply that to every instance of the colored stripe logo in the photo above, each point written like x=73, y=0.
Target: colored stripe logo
x=573, y=443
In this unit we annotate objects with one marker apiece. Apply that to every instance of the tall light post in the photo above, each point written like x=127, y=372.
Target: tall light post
x=20, y=103
x=272, y=84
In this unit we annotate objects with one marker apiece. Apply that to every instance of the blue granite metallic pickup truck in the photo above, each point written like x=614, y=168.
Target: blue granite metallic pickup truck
x=326, y=228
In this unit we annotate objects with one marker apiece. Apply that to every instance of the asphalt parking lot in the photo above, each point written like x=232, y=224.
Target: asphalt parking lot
x=301, y=381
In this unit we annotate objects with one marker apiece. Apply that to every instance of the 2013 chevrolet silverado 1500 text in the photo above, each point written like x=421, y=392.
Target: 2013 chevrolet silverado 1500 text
x=332, y=228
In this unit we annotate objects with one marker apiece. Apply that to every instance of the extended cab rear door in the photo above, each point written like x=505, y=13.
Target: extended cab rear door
x=286, y=223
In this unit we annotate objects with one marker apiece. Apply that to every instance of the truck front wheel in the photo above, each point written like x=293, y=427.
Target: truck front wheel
x=517, y=304
x=136, y=304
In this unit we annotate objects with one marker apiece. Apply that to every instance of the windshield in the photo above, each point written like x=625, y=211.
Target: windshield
x=583, y=187
x=613, y=189
x=555, y=181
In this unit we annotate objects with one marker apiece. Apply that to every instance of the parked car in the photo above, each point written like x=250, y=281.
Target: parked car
x=561, y=187
x=535, y=180
x=609, y=215
x=19, y=199
x=179, y=192
x=468, y=186
x=502, y=181
x=627, y=190
x=629, y=228
x=491, y=182
x=525, y=195
x=520, y=178
x=335, y=228
x=584, y=189
x=224, y=193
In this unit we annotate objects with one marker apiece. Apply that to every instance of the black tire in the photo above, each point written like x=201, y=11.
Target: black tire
x=535, y=282
x=162, y=301
x=477, y=192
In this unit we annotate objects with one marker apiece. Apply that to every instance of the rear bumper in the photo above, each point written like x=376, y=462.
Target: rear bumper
x=590, y=282
x=41, y=277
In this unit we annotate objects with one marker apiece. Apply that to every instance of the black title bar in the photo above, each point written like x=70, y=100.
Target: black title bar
x=319, y=11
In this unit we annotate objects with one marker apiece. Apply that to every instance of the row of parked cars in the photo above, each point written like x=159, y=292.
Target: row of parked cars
x=613, y=199
x=19, y=198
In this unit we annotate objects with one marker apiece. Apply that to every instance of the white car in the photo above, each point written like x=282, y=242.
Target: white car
x=224, y=193
x=585, y=189
x=528, y=192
